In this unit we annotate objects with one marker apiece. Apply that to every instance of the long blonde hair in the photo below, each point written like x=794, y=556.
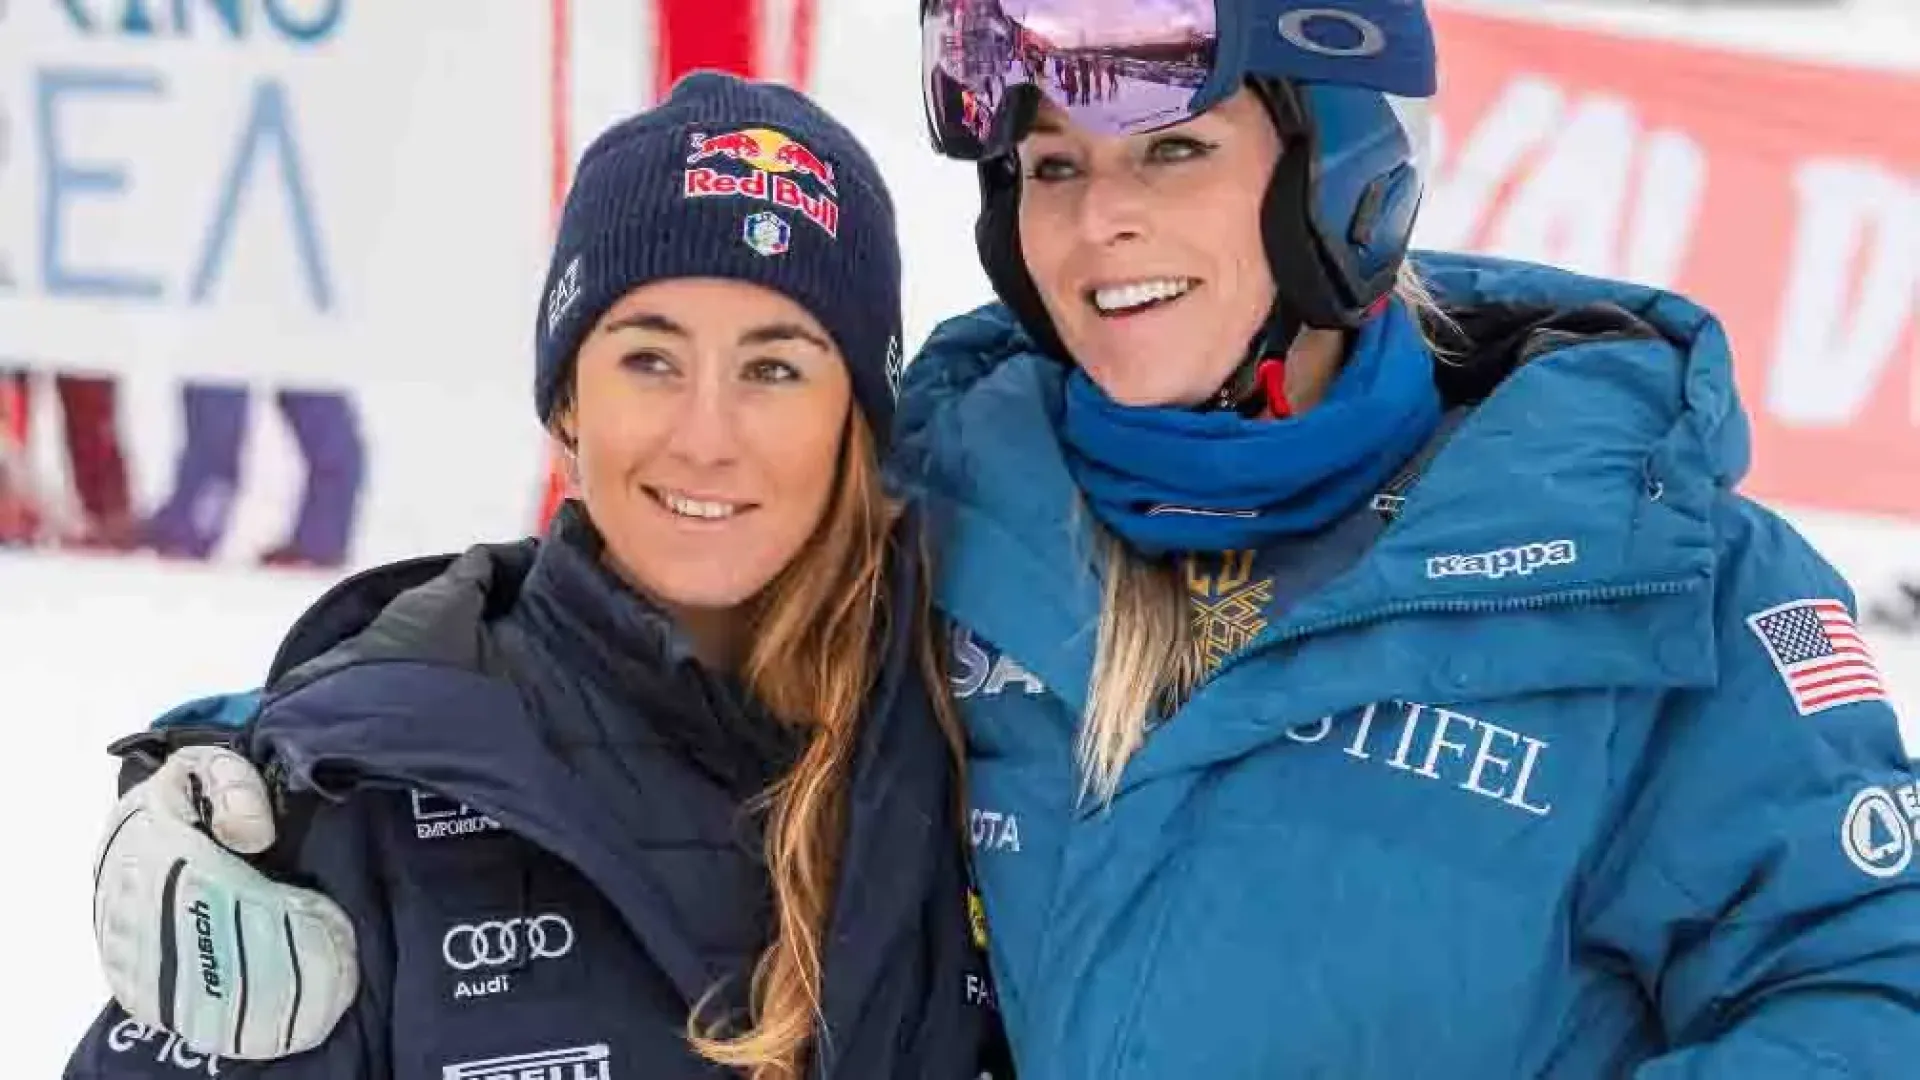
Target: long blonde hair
x=1145, y=660
x=813, y=661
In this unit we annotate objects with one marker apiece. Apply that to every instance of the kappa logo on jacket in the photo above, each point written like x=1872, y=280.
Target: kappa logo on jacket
x=436, y=817
x=1523, y=560
x=979, y=668
x=571, y=1063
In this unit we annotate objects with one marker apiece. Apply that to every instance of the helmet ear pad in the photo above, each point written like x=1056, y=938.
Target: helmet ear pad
x=996, y=236
x=1338, y=216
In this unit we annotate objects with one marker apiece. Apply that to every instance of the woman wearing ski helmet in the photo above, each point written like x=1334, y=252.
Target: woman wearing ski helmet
x=1369, y=669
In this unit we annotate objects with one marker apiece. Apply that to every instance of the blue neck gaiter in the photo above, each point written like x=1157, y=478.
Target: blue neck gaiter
x=1170, y=479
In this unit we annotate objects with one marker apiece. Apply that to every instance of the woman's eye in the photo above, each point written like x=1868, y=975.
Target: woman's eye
x=1049, y=169
x=646, y=362
x=1166, y=149
x=772, y=371
x=1179, y=148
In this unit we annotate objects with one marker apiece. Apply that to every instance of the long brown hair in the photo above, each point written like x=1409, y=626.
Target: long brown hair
x=817, y=648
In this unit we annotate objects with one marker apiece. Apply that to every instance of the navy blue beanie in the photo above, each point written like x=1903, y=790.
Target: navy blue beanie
x=730, y=179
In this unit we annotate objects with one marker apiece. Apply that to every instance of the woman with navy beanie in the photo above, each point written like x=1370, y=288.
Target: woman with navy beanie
x=665, y=793
x=1368, y=666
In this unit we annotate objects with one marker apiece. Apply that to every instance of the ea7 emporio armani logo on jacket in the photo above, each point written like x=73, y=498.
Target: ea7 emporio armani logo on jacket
x=1517, y=790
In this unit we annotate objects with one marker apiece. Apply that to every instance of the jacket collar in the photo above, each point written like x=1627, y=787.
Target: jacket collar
x=577, y=607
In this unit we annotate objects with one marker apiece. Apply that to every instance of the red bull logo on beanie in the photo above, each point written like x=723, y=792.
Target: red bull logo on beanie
x=779, y=170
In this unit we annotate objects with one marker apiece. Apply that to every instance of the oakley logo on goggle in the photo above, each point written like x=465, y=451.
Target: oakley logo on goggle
x=497, y=943
x=1297, y=27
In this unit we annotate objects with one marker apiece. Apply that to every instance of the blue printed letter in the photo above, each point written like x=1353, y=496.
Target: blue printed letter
x=267, y=123
x=77, y=17
x=315, y=28
x=61, y=179
x=230, y=12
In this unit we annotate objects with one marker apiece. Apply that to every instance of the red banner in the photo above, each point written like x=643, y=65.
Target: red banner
x=1783, y=196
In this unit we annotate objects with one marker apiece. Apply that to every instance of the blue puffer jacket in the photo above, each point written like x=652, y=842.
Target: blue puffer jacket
x=1526, y=792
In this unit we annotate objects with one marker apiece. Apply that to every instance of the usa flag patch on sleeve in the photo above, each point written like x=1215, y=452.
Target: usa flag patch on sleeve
x=1819, y=653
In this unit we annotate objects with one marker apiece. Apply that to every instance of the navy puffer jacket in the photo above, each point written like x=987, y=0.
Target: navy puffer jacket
x=511, y=773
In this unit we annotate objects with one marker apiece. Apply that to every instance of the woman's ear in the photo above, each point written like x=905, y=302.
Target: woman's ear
x=566, y=444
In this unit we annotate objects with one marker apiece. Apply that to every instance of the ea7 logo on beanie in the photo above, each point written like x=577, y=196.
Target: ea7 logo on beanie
x=774, y=164
x=565, y=292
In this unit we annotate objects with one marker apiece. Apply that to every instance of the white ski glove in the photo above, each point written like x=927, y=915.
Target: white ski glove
x=198, y=942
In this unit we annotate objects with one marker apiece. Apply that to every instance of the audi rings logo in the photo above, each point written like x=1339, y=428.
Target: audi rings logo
x=500, y=942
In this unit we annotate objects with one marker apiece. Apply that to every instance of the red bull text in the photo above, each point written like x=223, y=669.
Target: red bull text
x=774, y=165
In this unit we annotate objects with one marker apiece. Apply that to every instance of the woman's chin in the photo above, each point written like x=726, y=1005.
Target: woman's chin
x=1134, y=384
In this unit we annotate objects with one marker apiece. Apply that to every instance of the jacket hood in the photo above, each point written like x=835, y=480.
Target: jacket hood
x=1705, y=400
x=408, y=609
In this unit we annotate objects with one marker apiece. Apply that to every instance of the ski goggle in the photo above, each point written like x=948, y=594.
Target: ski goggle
x=1114, y=66
x=1121, y=67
